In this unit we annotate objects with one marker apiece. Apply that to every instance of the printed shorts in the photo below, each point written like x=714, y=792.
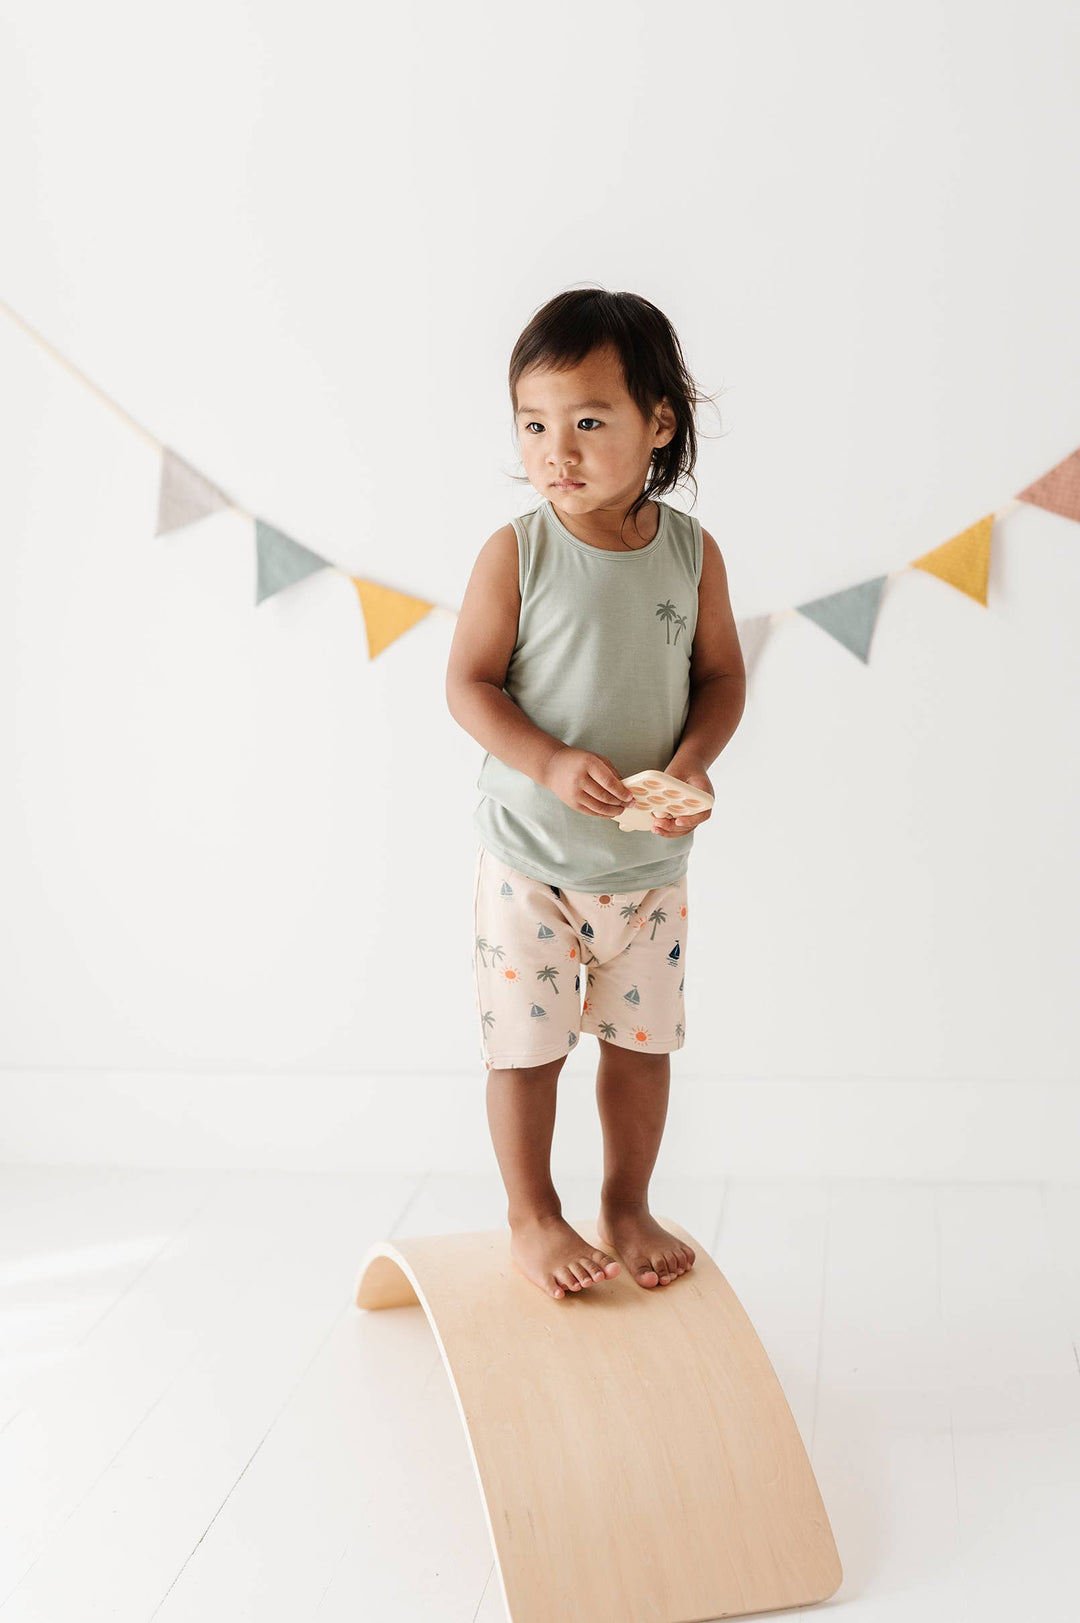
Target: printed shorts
x=537, y=945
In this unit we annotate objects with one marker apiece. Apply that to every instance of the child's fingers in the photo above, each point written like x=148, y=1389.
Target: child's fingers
x=601, y=807
x=678, y=825
x=615, y=788
x=617, y=798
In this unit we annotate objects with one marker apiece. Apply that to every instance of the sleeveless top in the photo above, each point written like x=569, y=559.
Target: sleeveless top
x=602, y=662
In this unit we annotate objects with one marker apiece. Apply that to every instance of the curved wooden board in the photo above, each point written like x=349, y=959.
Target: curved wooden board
x=636, y=1456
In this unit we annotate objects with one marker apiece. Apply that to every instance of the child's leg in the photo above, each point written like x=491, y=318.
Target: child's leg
x=521, y=1113
x=632, y=1098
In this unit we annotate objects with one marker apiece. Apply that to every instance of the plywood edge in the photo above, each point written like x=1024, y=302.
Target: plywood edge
x=386, y=1280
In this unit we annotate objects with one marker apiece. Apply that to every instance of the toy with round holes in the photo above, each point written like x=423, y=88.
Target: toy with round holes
x=658, y=794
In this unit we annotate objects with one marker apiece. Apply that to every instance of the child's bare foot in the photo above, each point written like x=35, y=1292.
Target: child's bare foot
x=555, y=1257
x=652, y=1254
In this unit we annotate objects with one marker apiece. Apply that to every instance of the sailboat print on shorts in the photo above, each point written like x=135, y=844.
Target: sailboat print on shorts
x=674, y=955
x=640, y=1034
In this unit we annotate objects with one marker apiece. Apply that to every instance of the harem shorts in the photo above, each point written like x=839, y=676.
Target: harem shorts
x=533, y=945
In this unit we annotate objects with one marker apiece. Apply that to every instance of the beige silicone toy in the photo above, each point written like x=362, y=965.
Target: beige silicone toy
x=659, y=794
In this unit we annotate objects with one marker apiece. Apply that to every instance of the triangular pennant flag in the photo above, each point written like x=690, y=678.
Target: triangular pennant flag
x=1059, y=490
x=752, y=634
x=184, y=494
x=850, y=615
x=387, y=613
x=281, y=561
x=964, y=561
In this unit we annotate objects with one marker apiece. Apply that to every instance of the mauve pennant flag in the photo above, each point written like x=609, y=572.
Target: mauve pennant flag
x=1059, y=490
x=849, y=615
x=752, y=634
x=184, y=494
x=281, y=561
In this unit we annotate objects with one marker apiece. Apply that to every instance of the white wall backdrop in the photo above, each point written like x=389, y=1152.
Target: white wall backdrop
x=298, y=247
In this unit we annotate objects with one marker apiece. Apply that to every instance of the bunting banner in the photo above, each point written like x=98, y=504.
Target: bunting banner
x=186, y=496
x=850, y=615
x=280, y=561
x=387, y=613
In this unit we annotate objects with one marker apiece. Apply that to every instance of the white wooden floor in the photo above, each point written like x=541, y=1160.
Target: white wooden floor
x=197, y=1424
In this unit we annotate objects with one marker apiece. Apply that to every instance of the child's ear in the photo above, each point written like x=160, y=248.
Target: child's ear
x=665, y=422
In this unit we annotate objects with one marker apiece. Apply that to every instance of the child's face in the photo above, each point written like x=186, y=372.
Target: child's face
x=582, y=425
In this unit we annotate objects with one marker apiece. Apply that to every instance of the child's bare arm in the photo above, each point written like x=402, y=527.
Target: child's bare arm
x=480, y=652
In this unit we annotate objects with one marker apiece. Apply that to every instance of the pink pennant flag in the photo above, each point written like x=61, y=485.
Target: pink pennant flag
x=1059, y=490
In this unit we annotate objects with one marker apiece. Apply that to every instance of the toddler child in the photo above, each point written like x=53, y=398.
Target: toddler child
x=595, y=640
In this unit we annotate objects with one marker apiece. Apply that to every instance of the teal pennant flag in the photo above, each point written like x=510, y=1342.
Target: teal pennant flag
x=850, y=615
x=281, y=561
x=184, y=494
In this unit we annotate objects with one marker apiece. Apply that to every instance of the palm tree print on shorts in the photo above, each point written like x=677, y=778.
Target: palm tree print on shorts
x=483, y=946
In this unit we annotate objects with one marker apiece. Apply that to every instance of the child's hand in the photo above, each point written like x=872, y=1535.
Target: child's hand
x=688, y=772
x=586, y=782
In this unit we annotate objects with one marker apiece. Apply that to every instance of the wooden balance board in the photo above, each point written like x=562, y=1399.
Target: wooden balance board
x=637, y=1459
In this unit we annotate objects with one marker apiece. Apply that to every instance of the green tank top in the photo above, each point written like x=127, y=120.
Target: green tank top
x=601, y=661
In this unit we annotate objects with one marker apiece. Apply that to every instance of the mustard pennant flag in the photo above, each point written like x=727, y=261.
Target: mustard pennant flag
x=964, y=561
x=184, y=494
x=1059, y=490
x=387, y=613
x=753, y=632
x=849, y=615
x=281, y=561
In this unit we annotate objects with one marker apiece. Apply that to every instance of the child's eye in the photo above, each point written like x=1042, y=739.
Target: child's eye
x=581, y=420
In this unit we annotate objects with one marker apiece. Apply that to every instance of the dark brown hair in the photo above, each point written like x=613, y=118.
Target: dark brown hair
x=565, y=329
